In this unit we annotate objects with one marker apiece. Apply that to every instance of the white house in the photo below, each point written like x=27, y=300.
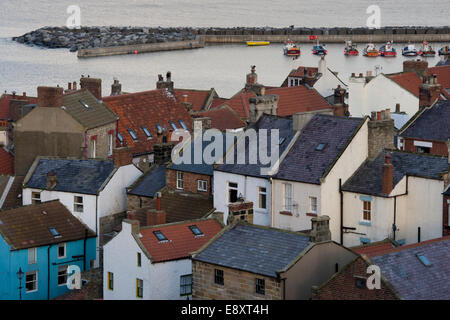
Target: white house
x=153, y=263
x=247, y=181
x=328, y=150
x=92, y=190
x=397, y=195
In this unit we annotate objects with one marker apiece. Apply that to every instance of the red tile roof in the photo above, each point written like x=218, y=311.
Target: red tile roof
x=291, y=100
x=414, y=245
x=217, y=102
x=4, y=103
x=181, y=241
x=300, y=71
x=6, y=162
x=408, y=80
x=222, y=118
x=197, y=98
x=146, y=109
x=443, y=77
x=374, y=249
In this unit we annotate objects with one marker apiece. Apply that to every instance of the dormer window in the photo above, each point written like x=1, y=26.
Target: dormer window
x=147, y=133
x=132, y=134
x=160, y=236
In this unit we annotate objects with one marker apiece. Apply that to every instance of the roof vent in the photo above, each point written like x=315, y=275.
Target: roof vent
x=84, y=104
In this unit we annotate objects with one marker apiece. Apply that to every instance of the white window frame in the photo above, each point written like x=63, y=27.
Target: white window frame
x=34, y=253
x=313, y=204
x=287, y=198
x=202, y=185
x=66, y=275
x=139, y=281
x=110, y=144
x=33, y=197
x=364, y=211
x=35, y=281
x=232, y=188
x=94, y=145
x=65, y=250
x=260, y=193
x=179, y=180
x=75, y=204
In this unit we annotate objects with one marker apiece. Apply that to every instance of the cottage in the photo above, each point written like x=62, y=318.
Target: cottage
x=153, y=263
x=38, y=242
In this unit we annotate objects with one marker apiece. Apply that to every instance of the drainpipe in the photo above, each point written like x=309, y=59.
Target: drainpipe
x=341, y=193
x=85, y=145
x=272, y=213
x=394, y=226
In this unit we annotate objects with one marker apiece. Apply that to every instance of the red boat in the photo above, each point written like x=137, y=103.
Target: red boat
x=290, y=48
x=350, y=49
x=388, y=50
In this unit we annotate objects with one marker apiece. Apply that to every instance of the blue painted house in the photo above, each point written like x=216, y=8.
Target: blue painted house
x=41, y=240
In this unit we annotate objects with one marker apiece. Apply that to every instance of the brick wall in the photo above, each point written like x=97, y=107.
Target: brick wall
x=102, y=140
x=343, y=286
x=439, y=147
x=446, y=226
x=135, y=202
x=238, y=285
x=190, y=181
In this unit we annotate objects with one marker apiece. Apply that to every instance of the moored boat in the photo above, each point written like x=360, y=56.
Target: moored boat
x=410, y=50
x=350, y=49
x=370, y=50
x=290, y=48
x=318, y=49
x=427, y=50
x=388, y=50
x=257, y=43
x=445, y=51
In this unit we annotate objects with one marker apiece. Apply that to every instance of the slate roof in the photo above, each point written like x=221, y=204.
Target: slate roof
x=96, y=115
x=410, y=277
x=255, y=249
x=181, y=241
x=368, y=178
x=147, y=109
x=291, y=100
x=304, y=163
x=76, y=176
x=222, y=118
x=432, y=123
x=284, y=125
x=149, y=183
x=28, y=226
x=13, y=195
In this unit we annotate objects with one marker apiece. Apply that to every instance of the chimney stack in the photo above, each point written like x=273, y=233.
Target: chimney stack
x=260, y=105
x=429, y=91
x=50, y=97
x=93, y=85
x=156, y=217
x=116, y=88
x=252, y=77
x=397, y=108
x=51, y=181
x=320, y=230
x=122, y=156
x=168, y=84
x=205, y=122
x=74, y=85
x=388, y=175
x=418, y=66
x=381, y=132
x=162, y=152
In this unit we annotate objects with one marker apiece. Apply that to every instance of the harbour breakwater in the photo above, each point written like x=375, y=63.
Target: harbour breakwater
x=95, y=41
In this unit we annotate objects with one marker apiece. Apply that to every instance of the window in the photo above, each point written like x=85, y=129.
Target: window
x=281, y=140
x=202, y=185
x=61, y=250
x=321, y=146
x=139, y=288
x=31, y=255
x=196, y=231
x=287, y=197
x=179, y=180
x=159, y=128
x=62, y=275
x=367, y=210
x=31, y=281
x=84, y=104
x=93, y=146
x=35, y=198
x=423, y=259
x=173, y=125
x=423, y=149
x=186, y=285
x=262, y=198
x=313, y=204
x=132, y=134
x=260, y=286
x=218, y=276
x=360, y=282
x=110, y=281
x=110, y=144
x=232, y=192
x=160, y=236
x=139, y=260
x=147, y=133
x=119, y=136
x=183, y=125
x=54, y=232
x=78, y=204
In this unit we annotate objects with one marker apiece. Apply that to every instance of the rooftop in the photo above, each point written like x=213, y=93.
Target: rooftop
x=77, y=176
x=198, y=98
x=29, y=226
x=151, y=182
x=5, y=100
x=222, y=118
x=255, y=249
x=6, y=162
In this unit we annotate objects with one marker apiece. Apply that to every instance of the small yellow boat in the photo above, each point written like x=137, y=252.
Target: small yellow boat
x=257, y=43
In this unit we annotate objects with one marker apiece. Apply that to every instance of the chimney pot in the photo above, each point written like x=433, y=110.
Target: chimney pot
x=397, y=108
x=361, y=75
x=353, y=75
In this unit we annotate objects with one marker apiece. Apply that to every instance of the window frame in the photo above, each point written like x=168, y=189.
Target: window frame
x=133, y=135
x=313, y=208
x=173, y=125
x=219, y=277
x=179, y=182
x=199, y=188
x=182, y=124
x=93, y=148
x=110, y=283
x=366, y=211
x=147, y=132
x=34, y=199
x=139, y=259
x=184, y=293
x=260, y=286
x=63, y=244
x=264, y=194
x=139, y=293
x=120, y=137
x=110, y=144
x=230, y=188
x=77, y=204
x=35, y=281
x=34, y=250
x=59, y=275
x=287, y=201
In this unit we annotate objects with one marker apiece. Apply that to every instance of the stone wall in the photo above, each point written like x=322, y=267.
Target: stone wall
x=101, y=146
x=238, y=285
x=381, y=135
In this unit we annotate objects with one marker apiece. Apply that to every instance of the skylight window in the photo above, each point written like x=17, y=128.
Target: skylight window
x=147, y=133
x=173, y=125
x=424, y=260
x=84, y=104
x=54, y=232
x=183, y=125
x=321, y=146
x=160, y=236
x=158, y=127
x=120, y=137
x=196, y=231
x=132, y=134
x=281, y=140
